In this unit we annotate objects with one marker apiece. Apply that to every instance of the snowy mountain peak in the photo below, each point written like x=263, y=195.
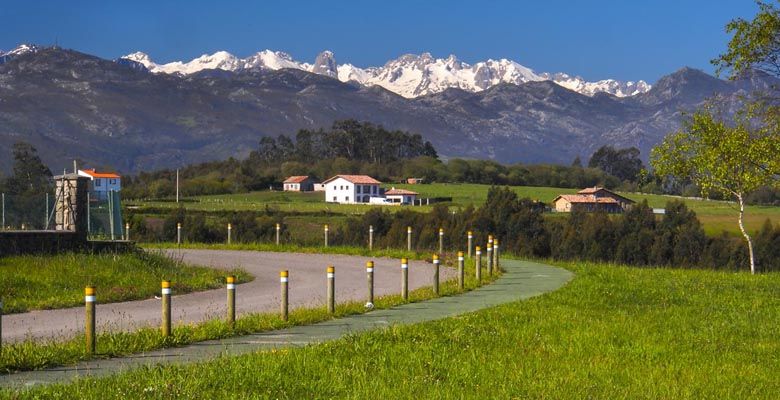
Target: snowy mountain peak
x=325, y=64
x=409, y=75
x=18, y=51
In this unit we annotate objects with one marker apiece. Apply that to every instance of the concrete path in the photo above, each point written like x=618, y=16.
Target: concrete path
x=307, y=288
x=521, y=280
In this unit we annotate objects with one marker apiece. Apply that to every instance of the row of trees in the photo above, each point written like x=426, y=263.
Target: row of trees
x=348, y=139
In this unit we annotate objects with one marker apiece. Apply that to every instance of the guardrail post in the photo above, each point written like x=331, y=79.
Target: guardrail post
x=441, y=240
x=461, y=276
x=89, y=331
x=166, y=308
x=408, y=238
x=230, y=233
x=405, y=278
x=178, y=233
x=278, y=228
x=470, y=242
x=370, y=280
x=371, y=237
x=331, y=274
x=478, y=266
x=326, y=234
x=495, y=254
x=231, y=299
x=436, y=274
x=490, y=257
x=284, y=277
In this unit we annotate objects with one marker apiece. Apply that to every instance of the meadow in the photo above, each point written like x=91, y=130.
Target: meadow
x=716, y=216
x=614, y=332
x=58, y=281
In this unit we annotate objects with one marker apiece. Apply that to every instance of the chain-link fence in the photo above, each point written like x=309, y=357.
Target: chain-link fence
x=37, y=212
x=105, y=216
x=27, y=211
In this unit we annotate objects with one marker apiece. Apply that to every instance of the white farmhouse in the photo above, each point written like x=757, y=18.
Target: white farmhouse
x=401, y=196
x=351, y=189
x=102, y=182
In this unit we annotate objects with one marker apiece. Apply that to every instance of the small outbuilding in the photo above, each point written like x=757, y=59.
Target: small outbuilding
x=299, y=183
x=592, y=200
x=401, y=196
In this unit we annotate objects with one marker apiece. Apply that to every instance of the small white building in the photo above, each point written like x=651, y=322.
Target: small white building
x=102, y=182
x=401, y=196
x=351, y=189
x=300, y=183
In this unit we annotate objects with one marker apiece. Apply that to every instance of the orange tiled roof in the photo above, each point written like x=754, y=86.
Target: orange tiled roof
x=296, y=179
x=95, y=174
x=357, y=179
x=395, y=191
x=578, y=198
x=590, y=190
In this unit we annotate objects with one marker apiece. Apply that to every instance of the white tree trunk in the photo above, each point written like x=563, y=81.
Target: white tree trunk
x=745, y=233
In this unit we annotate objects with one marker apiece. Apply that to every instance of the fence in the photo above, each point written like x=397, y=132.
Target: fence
x=104, y=216
x=27, y=211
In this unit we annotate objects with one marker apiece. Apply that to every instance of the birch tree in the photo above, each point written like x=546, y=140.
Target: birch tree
x=731, y=159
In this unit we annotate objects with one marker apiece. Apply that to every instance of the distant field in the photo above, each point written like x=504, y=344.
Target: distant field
x=717, y=216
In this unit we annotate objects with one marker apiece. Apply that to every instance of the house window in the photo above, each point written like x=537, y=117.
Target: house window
x=112, y=181
x=346, y=199
x=334, y=199
x=358, y=188
x=97, y=182
x=375, y=189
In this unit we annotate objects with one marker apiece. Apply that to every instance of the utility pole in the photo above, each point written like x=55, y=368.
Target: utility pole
x=177, y=186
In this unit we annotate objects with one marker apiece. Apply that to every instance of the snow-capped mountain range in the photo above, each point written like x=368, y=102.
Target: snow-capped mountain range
x=410, y=75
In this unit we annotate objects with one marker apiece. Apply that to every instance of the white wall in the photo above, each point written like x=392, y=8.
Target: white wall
x=341, y=190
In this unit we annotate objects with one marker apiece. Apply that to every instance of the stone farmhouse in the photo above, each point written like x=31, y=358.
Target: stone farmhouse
x=592, y=200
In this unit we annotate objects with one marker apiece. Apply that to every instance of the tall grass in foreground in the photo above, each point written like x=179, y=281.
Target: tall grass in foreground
x=30, y=355
x=57, y=281
x=612, y=333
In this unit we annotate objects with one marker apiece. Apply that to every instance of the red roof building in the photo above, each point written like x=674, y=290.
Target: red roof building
x=298, y=183
x=592, y=200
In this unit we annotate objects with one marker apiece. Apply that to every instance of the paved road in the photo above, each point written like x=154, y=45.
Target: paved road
x=307, y=288
x=521, y=280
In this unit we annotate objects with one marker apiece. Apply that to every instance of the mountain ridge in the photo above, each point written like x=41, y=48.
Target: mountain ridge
x=113, y=113
x=409, y=75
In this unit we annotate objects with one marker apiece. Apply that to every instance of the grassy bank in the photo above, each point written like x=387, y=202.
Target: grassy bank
x=58, y=281
x=294, y=248
x=31, y=355
x=613, y=333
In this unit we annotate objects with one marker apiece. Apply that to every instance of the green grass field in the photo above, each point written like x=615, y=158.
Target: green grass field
x=716, y=216
x=612, y=333
x=58, y=281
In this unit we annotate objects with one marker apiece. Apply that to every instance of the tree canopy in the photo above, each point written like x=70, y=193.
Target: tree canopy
x=733, y=160
x=30, y=174
x=622, y=163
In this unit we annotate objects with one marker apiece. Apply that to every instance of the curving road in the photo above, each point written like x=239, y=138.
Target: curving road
x=522, y=280
x=307, y=288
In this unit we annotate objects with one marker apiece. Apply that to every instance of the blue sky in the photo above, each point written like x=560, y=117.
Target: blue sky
x=595, y=39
